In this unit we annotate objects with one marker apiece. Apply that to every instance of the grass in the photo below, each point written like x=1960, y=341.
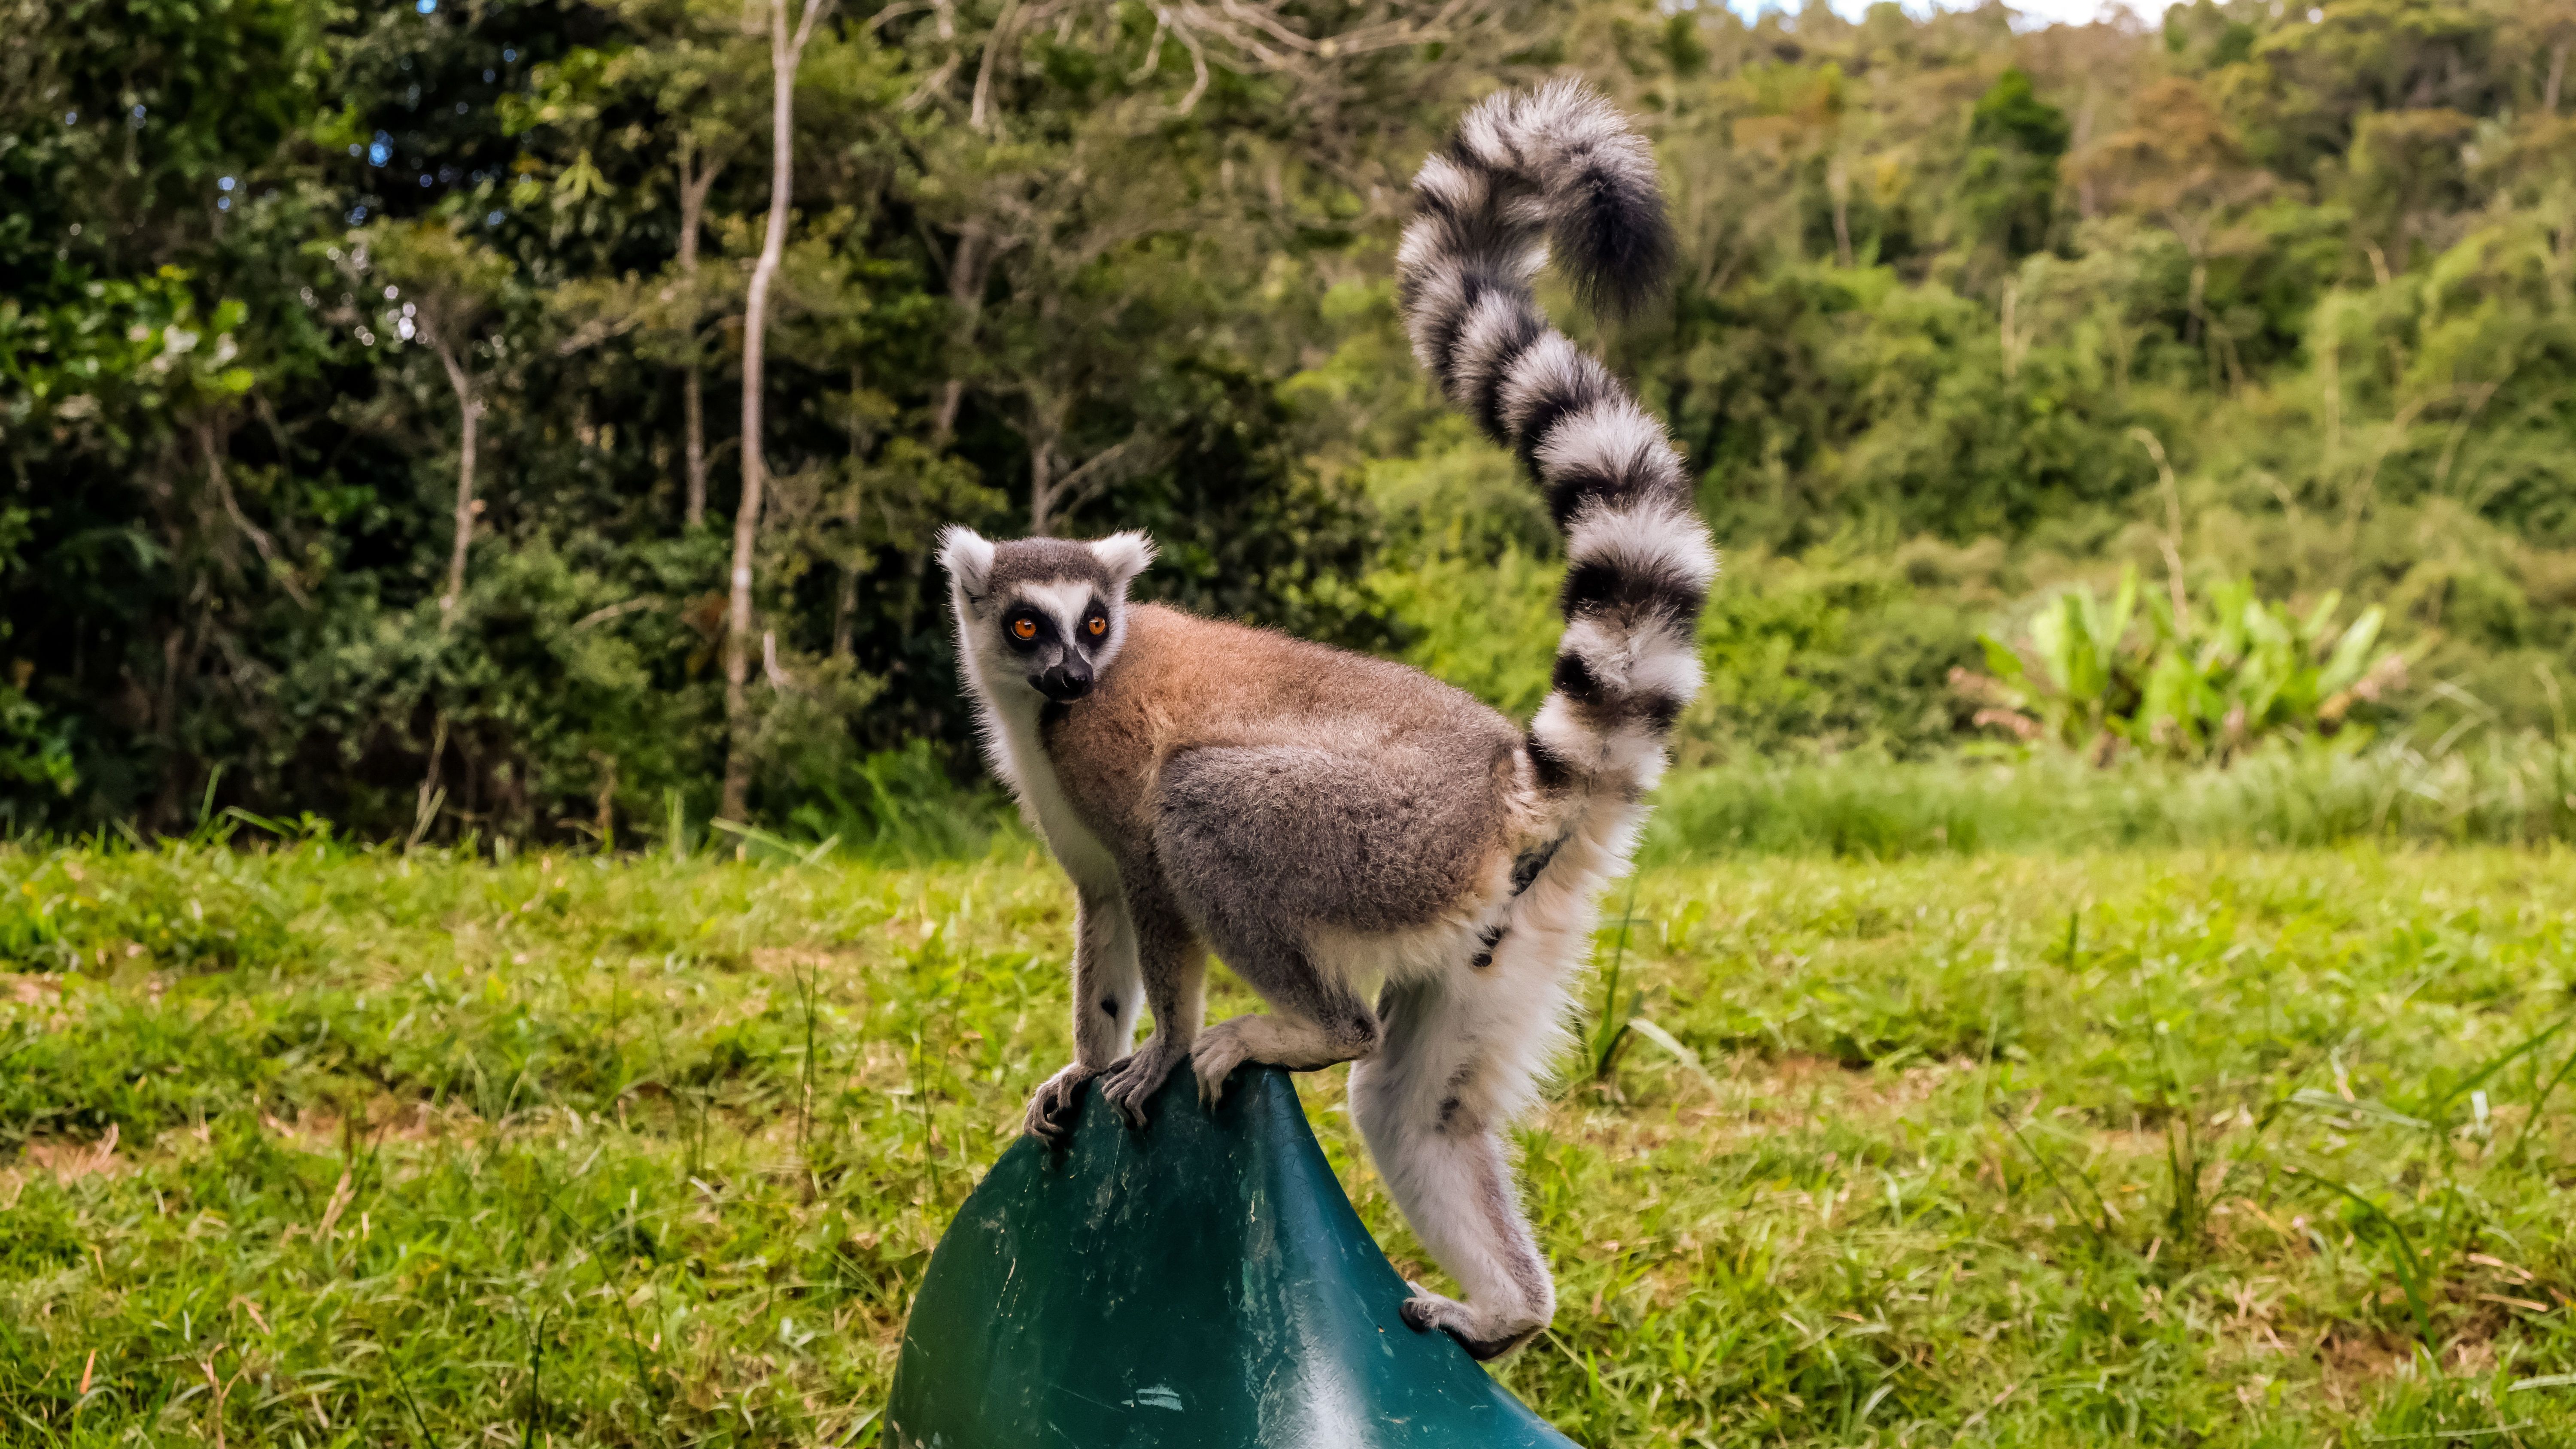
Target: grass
x=2499, y=790
x=313, y=1146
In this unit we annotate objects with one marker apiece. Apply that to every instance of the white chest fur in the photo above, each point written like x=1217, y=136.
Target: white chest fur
x=1018, y=755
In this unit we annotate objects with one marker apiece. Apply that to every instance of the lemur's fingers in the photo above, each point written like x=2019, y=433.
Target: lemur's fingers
x=1131, y=1083
x=1485, y=1336
x=1213, y=1058
x=1055, y=1105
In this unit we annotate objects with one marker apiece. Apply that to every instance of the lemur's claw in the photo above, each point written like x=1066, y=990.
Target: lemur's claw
x=1132, y=1082
x=1213, y=1058
x=1055, y=1105
x=1483, y=1341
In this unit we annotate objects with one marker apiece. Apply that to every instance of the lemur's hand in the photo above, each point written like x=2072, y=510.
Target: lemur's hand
x=1052, y=1110
x=1133, y=1082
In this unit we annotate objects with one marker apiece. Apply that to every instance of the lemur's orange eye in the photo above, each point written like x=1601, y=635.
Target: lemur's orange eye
x=1098, y=626
x=1024, y=628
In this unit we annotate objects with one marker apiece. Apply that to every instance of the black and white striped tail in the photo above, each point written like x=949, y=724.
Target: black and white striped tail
x=1559, y=166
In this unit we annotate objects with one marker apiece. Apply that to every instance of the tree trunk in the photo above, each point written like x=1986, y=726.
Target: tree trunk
x=845, y=610
x=2011, y=343
x=2087, y=205
x=1838, y=185
x=694, y=183
x=2330, y=369
x=966, y=293
x=783, y=54
x=693, y=407
x=1041, y=487
x=2557, y=77
x=468, y=409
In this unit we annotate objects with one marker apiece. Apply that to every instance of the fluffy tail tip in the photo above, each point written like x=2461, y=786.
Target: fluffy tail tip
x=1608, y=225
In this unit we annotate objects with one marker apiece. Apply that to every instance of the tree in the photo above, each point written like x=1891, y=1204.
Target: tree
x=441, y=286
x=1076, y=210
x=786, y=50
x=2546, y=29
x=699, y=169
x=2179, y=163
x=2405, y=168
x=696, y=80
x=2009, y=182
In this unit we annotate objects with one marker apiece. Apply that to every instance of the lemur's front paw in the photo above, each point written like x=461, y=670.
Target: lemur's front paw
x=1213, y=1057
x=1056, y=1104
x=1132, y=1083
x=1485, y=1336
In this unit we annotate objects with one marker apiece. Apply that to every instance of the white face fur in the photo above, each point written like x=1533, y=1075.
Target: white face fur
x=1039, y=617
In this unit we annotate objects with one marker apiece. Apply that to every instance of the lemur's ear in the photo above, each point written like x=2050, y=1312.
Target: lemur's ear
x=1125, y=555
x=968, y=557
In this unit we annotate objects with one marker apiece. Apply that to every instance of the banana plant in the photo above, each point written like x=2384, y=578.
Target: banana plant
x=2188, y=683
x=2067, y=678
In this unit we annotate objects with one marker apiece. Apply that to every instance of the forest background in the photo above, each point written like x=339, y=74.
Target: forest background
x=439, y=418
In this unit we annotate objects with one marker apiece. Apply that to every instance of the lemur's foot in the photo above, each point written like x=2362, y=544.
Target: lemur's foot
x=1213, y=1057
x=1132, y=1083
x=1056, y=1104
x=1485, y=1336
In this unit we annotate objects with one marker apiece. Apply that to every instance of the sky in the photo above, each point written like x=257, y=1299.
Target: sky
x=2043, y=11
x=2036, y=12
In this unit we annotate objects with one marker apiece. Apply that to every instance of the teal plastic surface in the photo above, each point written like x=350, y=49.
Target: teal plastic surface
x=1201, y=1283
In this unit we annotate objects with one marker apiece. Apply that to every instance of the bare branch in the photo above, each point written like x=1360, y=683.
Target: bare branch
x=1153, y=51
x=1198, y=67
x=1141, y=452
x=616, y=611
x=977, y=113
x=258, y=537
x=596, y=331
x=814, y=10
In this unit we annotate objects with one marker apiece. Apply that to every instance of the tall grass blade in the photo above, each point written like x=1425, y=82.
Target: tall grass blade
x=2410, y=1269
x=2102, y=1231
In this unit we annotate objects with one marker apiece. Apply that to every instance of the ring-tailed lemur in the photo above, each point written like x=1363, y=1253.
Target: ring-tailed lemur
x=1327, y=821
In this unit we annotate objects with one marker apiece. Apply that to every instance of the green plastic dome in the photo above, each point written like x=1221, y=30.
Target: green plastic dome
x=1201, y=1284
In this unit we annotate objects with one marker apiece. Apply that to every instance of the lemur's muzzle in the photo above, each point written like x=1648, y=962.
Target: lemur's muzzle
x=1064, y=683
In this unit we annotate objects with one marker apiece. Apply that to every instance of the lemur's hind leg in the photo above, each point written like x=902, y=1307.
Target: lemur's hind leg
x=1268, y=844
x=1108, y=990
x=1457, y=1063
x=1172, y=965
x=1305, y=1030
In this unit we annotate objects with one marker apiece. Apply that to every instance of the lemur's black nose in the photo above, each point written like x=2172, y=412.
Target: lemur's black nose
x=1064, y=683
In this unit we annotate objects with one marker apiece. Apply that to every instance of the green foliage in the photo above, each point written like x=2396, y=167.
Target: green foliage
x=2180, y=679
x=2009, y=183
x=1935, y=277
x=1829, y=655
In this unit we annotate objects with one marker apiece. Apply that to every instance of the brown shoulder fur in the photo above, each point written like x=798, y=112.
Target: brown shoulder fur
x=1182, y=682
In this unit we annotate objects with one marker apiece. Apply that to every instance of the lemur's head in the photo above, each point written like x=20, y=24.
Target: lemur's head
x=1047, y=611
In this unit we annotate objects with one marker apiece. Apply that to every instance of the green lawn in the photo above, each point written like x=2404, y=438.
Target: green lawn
x=317, y=1147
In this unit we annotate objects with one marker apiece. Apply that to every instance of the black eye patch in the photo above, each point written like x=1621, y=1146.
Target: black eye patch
x=1026, y=628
